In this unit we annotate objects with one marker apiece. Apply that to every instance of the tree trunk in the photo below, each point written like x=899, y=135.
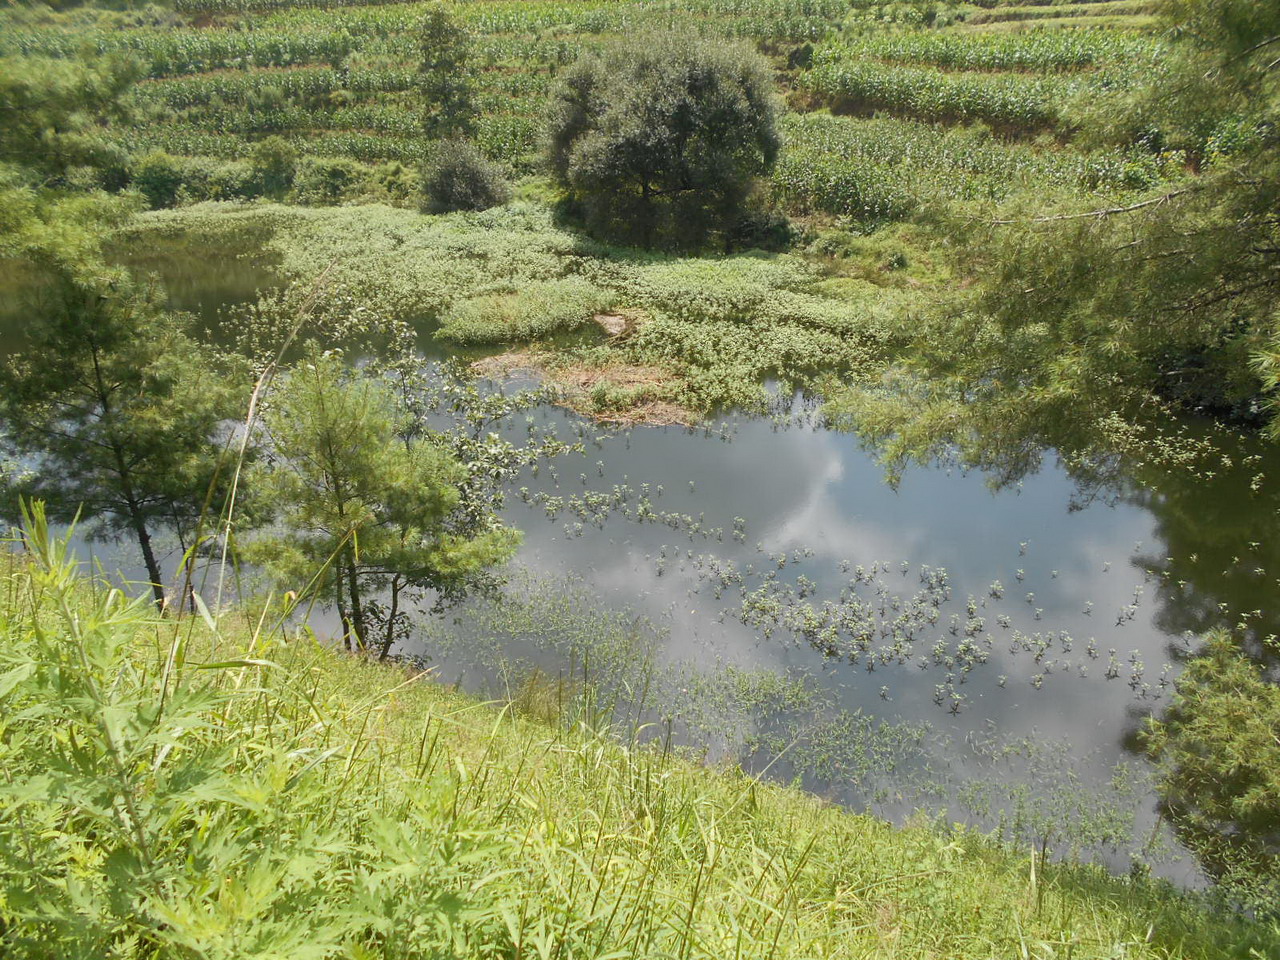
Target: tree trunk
x=646, y=195
x=148, y=554
x=390, y=636
x=357, y=611
x=342, y=607
x=136, y=519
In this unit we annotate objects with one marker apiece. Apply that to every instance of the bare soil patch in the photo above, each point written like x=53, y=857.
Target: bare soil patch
x=578, y=384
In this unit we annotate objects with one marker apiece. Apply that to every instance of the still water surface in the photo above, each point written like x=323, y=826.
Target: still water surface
x=1132, y=571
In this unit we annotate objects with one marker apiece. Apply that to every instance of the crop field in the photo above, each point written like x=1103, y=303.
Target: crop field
x=339, y=80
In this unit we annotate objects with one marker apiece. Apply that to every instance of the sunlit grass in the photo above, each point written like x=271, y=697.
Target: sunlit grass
x=201, y=788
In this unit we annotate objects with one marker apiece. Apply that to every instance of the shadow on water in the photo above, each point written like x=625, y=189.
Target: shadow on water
x=205, y=283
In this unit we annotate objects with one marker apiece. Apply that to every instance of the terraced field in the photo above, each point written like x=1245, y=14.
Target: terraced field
x=339, y=81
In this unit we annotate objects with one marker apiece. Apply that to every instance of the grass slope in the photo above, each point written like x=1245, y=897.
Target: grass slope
x=180, y=788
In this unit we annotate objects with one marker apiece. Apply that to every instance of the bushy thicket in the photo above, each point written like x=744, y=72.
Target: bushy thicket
x=458, y=177
x=274, y=173
x=660, y=141
x=534, y=310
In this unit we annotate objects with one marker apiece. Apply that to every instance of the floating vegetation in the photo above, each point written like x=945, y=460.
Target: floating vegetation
x=605, y=666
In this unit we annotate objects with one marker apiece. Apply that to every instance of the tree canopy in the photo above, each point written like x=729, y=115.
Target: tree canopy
x=1081, y=322
x=1217, y=749
x=444, y=49
x=112, y=411
x=366, y=508
x=661, y=140
x=51, y=113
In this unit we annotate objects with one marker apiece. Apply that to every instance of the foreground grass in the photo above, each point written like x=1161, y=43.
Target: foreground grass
x=192, y=789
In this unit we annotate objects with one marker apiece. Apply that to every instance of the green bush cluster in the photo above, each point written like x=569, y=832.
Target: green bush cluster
x=458, y=177
x=1219, y=771
x=659, y=142
x=274, y=173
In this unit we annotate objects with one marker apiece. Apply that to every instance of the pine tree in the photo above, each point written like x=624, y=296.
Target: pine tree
x=359, y=500
x=443, y=50
x=113, y=412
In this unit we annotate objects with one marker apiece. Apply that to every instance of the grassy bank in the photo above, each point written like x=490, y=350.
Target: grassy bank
x=192, y=788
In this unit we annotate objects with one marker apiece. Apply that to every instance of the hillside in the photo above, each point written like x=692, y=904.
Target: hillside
x=186, y=788
x=879, y=398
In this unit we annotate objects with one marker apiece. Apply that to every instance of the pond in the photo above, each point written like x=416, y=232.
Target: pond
x=1080, y=609
x=767, y=544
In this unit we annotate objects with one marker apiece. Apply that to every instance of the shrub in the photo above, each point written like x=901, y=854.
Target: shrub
x=458, y=177
x=325, y=181
x=159, y=177
x=275, y=163
x=760, y=228
x=536, y=310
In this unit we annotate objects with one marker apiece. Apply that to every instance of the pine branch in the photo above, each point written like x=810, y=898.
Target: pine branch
x=1106, y=212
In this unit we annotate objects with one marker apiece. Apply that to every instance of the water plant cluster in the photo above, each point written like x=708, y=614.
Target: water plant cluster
x=872, y=622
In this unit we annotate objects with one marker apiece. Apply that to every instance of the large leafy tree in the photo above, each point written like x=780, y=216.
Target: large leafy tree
x=661, y=140
x=368, y=510
x=110, y=410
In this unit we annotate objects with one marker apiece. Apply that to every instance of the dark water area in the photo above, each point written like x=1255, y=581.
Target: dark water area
x=202, y=282
x=1080, y=603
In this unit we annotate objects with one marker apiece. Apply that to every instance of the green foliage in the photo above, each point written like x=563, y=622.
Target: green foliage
x=1087, y=325
x=458, y=177
x=1039, y=51
x=1217, y=750
x=322, y=182
x=364, y=505
x=202, y=789
x=1013, y=102
x=113, y=410
x=275, y=164
x=532, y=312
x=1172, y=298
x=160, y=177
x=716, y=328
x=149, y=811
x=52, y=112
x=661, y=140
x=888, y=169
x=444, y=49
